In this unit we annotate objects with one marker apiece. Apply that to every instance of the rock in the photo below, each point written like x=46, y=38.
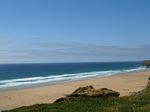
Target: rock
x=89, y=91
x=81, y=91
x=62, y=99
x=104, y=92
x=146, y=64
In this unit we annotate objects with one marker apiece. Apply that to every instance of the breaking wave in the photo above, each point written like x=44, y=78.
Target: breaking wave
x=59, y=78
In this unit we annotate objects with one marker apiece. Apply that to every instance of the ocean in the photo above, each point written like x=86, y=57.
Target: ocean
x=26, y=75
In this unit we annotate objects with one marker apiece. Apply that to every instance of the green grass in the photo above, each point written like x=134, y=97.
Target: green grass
x=137, y=103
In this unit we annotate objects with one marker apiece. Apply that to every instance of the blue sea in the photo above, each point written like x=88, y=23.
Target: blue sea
x=26, y=75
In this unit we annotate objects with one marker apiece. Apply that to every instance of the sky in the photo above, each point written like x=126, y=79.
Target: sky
x=49, y=31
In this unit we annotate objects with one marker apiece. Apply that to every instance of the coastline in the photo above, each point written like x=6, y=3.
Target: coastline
x=125, y=83
x=30, y=82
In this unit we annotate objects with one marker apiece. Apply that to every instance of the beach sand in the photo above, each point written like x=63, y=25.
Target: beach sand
x=124, y=83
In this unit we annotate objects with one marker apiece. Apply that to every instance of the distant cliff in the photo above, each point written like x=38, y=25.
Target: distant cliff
x=146, y=64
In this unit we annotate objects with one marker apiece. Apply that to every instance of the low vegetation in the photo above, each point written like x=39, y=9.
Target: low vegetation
x=137, y=102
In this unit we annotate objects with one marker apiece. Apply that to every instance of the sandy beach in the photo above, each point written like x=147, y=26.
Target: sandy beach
x=124, y=83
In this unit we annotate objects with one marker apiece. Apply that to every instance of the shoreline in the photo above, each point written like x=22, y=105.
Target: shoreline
x=125, y=83
x=32, y=85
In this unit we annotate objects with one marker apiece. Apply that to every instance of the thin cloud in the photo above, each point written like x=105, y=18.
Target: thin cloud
x=90, y=49
x=48, y=51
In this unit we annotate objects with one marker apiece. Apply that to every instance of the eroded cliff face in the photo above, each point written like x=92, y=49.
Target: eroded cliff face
x=146, y=63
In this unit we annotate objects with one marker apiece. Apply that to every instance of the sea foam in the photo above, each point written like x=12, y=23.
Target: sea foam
x=6, y=84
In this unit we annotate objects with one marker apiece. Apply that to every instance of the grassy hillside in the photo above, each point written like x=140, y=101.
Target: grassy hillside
x=139, y=102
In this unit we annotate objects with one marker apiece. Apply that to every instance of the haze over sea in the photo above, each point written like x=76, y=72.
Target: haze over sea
x=26, y=75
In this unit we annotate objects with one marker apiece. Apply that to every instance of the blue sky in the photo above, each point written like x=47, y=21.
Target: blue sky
x=38, y=31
